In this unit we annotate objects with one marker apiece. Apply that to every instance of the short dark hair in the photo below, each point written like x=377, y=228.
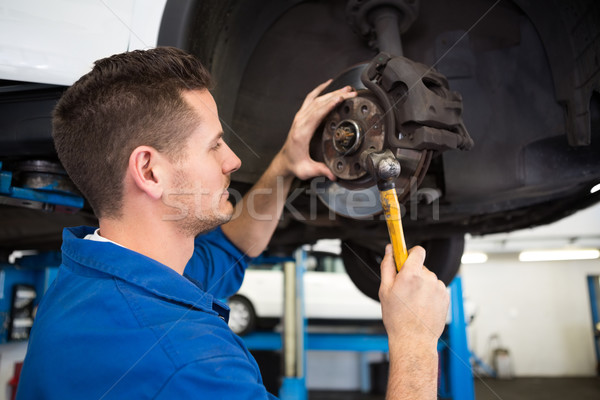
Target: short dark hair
x=127, y=100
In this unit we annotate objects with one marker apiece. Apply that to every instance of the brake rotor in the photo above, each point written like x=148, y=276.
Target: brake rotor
x=356, y=125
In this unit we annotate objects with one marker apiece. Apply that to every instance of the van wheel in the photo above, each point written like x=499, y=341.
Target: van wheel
x=242, y=318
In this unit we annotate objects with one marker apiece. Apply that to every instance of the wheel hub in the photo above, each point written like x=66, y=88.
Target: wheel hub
x=400, y=105
x=350, y=129
x=358, y=125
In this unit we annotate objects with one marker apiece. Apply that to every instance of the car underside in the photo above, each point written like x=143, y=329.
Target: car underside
x=491, y=107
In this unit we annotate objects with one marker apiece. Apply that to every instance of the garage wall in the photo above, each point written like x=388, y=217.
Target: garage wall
x=540, y=311
x=339, y=370
x=330, y=370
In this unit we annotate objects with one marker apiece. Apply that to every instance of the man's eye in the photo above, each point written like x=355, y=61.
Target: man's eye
x=217, y=145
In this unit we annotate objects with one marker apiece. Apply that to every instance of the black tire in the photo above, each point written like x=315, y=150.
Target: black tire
x=242, y=317
x=444, y=255
x=362, y=264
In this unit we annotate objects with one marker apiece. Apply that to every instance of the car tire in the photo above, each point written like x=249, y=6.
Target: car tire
x=363, y=264
x=242, y=317
x=444, y=256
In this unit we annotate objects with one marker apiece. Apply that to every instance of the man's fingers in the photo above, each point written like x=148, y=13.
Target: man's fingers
x=338, y=95
x=388, y=268
x=325, y=104
x=313, y=168
x=316, y=91
x=306, y=121
x=323, y=170
x=413, y=264
x=416, y=259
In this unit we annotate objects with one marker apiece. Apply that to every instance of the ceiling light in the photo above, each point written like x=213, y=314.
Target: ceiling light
x=559, y=255
x=595, y=188
x=473, y=258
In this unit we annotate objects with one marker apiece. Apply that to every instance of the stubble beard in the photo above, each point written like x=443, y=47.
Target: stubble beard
x=198, y=221
x=194, y=225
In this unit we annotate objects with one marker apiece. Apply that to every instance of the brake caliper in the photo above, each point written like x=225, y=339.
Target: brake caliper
x=401, y=105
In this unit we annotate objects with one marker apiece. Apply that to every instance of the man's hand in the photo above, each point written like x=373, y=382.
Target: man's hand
x=414, y=304
x=294, y=157
x=413, y=301
x=261, y=208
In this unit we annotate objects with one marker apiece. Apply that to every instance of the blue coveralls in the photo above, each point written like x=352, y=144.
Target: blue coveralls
x=118, y=325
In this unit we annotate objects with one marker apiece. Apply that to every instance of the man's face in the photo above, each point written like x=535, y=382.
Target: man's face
x=200, y=180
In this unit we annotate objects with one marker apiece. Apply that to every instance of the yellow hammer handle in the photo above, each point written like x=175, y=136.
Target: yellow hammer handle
x=391, y=210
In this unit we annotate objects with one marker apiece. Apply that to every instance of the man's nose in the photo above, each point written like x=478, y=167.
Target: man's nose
x=232, y=162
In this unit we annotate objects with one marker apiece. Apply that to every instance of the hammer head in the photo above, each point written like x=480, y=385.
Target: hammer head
x=383, y=167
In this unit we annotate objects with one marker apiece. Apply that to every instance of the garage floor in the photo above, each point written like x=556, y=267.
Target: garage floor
x=538, y=389
x=514, y=389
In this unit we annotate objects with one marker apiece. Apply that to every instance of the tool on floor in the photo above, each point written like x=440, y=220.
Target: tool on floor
x=385, y=169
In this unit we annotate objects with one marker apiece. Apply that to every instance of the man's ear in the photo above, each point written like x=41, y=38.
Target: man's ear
x=146, y=171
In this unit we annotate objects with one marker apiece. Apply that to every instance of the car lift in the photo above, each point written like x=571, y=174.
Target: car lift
x=34, y=273
x=456, y=377
x=48, y=196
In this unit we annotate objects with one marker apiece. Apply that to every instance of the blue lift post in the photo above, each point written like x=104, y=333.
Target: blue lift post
x=456, y=380
x=293, y=386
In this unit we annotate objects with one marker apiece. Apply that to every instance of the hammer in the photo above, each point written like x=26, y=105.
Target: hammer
x=385, y=168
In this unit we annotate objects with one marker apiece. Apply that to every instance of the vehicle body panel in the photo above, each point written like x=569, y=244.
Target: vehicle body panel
x=329, y=294
x=56, y=42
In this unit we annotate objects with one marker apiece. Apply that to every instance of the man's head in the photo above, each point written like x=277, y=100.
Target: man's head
x=128, y=100
x=194, y=190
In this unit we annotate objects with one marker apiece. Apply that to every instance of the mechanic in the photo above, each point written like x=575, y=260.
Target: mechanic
x=133, y=312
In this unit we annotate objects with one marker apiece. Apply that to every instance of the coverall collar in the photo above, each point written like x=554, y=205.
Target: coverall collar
x=131, y=267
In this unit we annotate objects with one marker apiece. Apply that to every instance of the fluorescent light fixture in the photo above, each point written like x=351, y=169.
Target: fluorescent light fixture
x=595, y=188
x=473, y=258
x=559, y=255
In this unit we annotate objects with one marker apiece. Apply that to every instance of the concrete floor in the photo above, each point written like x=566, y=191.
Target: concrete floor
x=538, y=389
x=513, y=389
